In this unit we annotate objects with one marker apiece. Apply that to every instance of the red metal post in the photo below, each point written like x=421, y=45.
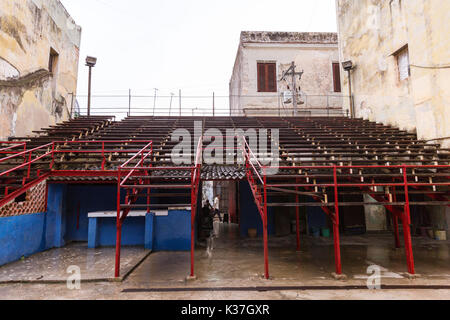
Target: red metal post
x=407, y=226
x=148, y=181
x=266, y=236
x=297, y=213
x=103, y=156
x=119, y=228
x=53, y=156
x=337, y=246
x=193, y=205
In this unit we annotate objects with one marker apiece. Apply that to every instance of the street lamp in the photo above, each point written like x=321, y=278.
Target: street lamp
x=170, y=108
x=348, y=66
x=90, y=62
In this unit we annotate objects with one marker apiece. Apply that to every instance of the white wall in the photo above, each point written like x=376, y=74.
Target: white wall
x=315, y=60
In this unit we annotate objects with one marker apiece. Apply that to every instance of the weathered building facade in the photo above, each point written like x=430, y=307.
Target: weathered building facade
x=39, y=54
x=262, y=59
x=401, y=53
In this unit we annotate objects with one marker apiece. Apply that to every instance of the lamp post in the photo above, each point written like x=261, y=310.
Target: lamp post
x=348, y=66
x=90, y=62
x=154, y=101
x=171, y=99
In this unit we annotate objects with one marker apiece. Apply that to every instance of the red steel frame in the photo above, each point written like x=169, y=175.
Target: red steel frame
x=254, y=177
x=27, y=183
x=195, y=188
x=131, y=199
x=52, y=151
x=146, y=152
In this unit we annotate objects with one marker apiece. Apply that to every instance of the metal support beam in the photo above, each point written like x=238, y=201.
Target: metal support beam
x=118, y=229
x=266, y=235
x=337, y=246
x=297, y=216
x=407, y=227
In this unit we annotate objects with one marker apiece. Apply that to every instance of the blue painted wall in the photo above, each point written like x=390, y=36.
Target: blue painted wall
x=87, y=198
x=21, y=236
x=29, y=234
x=249, y=214
x=317, y=218
x=132, y=232
x=164, y=233
x=171, y=233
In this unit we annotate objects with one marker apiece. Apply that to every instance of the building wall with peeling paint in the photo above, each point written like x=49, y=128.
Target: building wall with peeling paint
x=314, y=53
x=32, y=96
x=370, y=34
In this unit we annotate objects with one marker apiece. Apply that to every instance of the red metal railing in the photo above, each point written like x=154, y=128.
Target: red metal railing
x=144, y=173
x=12, y=147
x=102, y=148
x=195, y=186
x=132, y=193
x=256, y=175
x=29, y=157
x=51, y=150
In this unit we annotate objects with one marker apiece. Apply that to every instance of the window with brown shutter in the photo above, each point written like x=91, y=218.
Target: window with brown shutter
x=337, y=77
x=267, y=77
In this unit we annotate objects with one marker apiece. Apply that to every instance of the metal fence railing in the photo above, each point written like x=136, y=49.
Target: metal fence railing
x=122, y=106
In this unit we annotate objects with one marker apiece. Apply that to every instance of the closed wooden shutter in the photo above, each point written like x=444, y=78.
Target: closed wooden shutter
x=271, y=77
x=337, y=77
x=261, y=77
x=267, y=77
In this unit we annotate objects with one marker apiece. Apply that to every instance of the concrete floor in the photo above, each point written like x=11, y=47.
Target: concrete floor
x=52, y=265
x=236, y=263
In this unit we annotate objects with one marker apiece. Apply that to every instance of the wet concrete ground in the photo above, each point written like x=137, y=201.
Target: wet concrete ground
x=232, y=262
x=236, y=260
x=53, y=265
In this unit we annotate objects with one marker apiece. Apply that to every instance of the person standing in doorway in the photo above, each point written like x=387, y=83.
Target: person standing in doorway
x=216, y=215
x=217, y=207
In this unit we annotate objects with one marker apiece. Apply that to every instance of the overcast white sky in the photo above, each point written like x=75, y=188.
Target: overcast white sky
x=180, y=44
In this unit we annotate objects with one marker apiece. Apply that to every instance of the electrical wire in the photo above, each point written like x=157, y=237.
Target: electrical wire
x=431, y=67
